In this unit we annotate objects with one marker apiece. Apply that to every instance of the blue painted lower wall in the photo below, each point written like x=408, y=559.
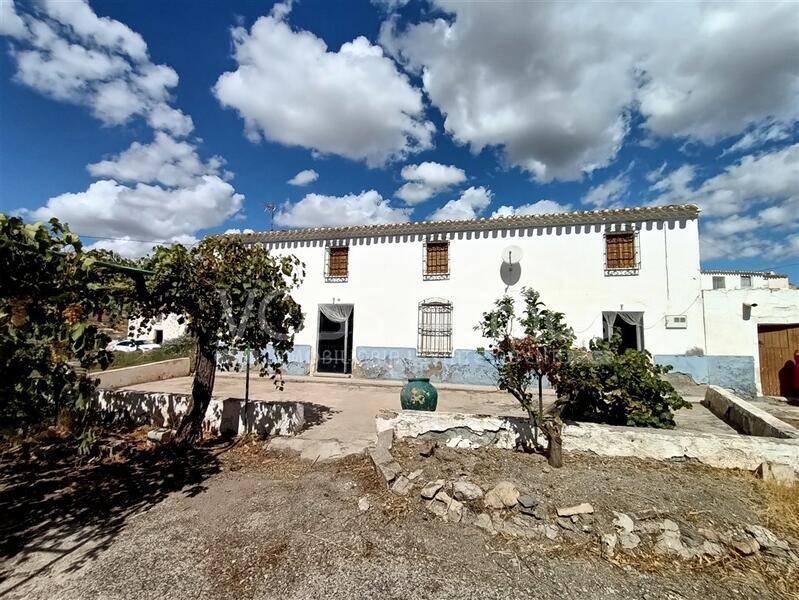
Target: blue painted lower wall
x=732, y=372
x=465, y=366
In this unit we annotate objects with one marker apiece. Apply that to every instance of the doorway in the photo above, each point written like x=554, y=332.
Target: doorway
x=629, y=325
x=334, y=346
x=778, y=347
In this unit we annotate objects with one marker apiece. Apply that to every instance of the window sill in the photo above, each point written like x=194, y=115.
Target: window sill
x=435, y=276
x=622, y=272
x=434, y=354
x=331, y=279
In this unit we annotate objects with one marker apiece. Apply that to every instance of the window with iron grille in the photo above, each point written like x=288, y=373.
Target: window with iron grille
x=337, y=267
x=719, y=282
x=436, y=260
x=746, y=281
x=621, y=253
x=435, y=328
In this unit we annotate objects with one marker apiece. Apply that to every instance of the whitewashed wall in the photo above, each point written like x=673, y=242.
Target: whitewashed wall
x=566, y=264
x=731, y=329
x=169, y=325
x=732, y=280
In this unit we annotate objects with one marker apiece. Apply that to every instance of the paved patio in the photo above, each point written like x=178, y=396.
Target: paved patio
x=353, y=404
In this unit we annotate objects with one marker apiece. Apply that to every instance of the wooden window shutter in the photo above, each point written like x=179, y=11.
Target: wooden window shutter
x=437, y=259
x=620, y=251
x=338, y=262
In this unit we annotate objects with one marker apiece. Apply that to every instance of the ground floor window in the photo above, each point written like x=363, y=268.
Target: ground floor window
x=629, y=325
x=435, y=328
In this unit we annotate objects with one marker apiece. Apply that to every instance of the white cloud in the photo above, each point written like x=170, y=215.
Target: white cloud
x=552, y=84
x=144, y=212
x=760, y=135
x=427, y=179
x=609, y=193
x=317, y=210
x=289, y=88
x=747, y=208
x=153, y=192
x=542, y=207
x=470, y=204
x=65, y=51
x=304, y=177
x=236, y=230
x=165, y=160
x=11, y=23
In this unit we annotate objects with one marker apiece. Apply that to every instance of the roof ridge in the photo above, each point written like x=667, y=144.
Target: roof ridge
x=484, y=223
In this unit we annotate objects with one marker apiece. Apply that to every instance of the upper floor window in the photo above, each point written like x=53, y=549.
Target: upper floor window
x=337, y=263
x=435, y=328
x=746, y=281
x=621, y=253
x=436, y=260
x=719, y=282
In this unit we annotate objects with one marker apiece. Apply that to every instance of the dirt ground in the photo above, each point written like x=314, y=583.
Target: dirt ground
x=241, y=522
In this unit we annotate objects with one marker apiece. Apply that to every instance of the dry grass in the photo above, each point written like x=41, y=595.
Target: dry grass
x=780, y=506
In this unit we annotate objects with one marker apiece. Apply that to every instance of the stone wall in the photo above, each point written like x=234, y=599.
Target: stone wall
x=733, y=372
x=726, y=451
x=746, y=417
x=157, y=371
x=225, y=416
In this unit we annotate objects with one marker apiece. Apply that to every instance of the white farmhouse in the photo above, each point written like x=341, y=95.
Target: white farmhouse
x=743, y=280
x=402, y=300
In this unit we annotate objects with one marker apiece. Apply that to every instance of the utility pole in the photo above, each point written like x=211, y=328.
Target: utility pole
x=271, y=208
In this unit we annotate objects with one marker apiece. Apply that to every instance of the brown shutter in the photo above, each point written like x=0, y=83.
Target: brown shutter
x=620, y=251
x=437, y=260
x=338, y=262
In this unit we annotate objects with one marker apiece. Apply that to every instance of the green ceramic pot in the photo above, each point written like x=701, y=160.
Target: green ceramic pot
x=419, y=394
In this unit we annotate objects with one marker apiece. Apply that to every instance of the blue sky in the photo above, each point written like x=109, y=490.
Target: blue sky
x=141, y=121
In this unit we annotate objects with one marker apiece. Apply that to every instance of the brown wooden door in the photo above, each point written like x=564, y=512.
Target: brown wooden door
x=778, y=343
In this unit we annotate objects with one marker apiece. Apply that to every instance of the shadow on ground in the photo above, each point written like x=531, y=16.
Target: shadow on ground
x=56, y=510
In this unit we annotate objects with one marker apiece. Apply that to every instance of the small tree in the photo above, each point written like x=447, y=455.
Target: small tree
x=234, y=297
x=539, y=351
x=49, y=291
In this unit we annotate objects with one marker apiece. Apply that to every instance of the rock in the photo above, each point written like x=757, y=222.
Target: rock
x=401, y=486
x=708, y=534
x=746, y=546
x=546, y=469
x=565, y=523
x=414, y=475
x=629, y=540
x=648, y=527
x=430, y=489
x=446, y=507
x=483, y=521
x=713, y=549
x=466, y=490
x=161, y=435
x=608, y=541
x=551, y=532
x=428, y=448
x=385, y=439
x=384, y=464
x=516, y=526
x=766, y=538
x=579, y=509
x=527, y=502
x=669, y=525
x=669, y=543
x=502, y=495
x=364, y=504
x=575, y=518
x=623, y=522
x=771, y=471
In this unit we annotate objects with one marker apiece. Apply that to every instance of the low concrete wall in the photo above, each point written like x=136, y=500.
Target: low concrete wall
x=464, y=367
x=165, y=369
x=746, y=417
x=733, y=372
x=472, y=431
x=224, y=416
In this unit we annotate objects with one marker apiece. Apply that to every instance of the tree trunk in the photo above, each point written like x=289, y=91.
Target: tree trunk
x=191, y=426
x=553, y=429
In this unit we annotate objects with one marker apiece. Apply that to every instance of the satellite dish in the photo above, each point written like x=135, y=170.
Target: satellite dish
x=511, y=255
x=511, y=271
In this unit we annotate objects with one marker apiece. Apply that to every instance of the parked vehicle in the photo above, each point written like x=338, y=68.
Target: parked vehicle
x=132, y=345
